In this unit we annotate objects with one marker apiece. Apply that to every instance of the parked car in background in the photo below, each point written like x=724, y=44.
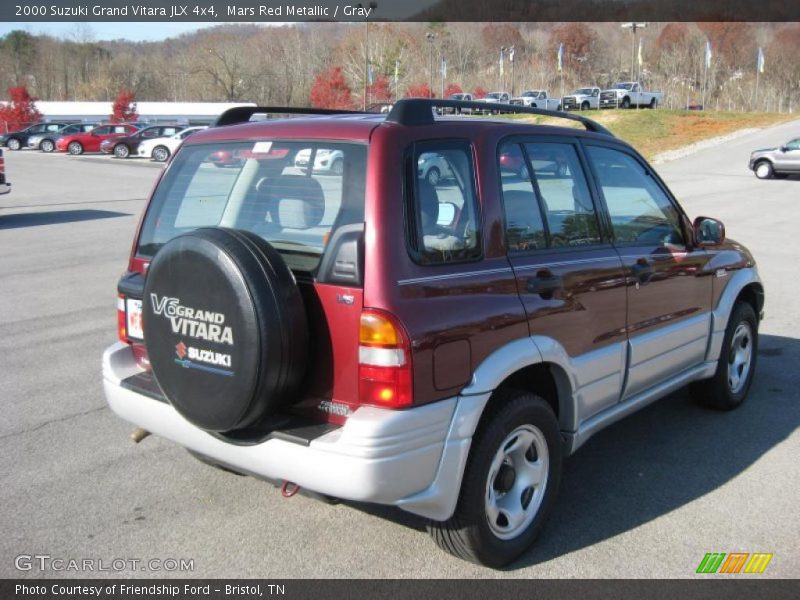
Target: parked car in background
x=325, y=160
x=46, y=142
x=462, y=96
x=17, y=140
x=161, y=148
x=128, y=145
x=433, y=167
x=495, y=98
x=776, y=162
x=629, y=94
x=582, y=99
x=537, y=99
x=78, y=143
x=5, y=187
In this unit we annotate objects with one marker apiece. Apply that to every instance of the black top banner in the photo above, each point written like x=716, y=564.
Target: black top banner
x=249, y=11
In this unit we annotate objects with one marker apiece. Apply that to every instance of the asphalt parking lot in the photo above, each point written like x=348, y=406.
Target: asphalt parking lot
x=647, y=497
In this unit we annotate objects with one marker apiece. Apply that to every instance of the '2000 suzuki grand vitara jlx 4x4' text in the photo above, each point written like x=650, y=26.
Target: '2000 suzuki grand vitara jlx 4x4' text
x=370, y=335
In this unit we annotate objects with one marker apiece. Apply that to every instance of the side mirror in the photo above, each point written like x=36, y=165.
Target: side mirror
x=708, y=231
x=784, y=149
x=447, y=214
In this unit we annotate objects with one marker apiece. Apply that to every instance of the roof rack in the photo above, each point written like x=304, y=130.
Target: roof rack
x=419, y=111
x=242, y=114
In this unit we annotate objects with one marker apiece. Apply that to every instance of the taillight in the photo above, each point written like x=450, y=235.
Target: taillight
x=384, y=361
x=122, y=328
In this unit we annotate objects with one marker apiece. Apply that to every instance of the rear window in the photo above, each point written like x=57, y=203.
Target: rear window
x=292, y=194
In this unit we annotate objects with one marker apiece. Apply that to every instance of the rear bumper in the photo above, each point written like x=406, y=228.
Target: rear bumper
x=412, y=458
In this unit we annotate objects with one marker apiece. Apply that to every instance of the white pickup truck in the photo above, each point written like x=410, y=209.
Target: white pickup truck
x=628, y=94
x=537, y=99
x=582, y=99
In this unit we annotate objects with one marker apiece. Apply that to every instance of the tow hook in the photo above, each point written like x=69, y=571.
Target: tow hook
x=289, y=489
x=138, y=434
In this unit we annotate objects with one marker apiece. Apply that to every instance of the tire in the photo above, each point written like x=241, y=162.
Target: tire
x=763, y=169
x=337, y=168
x=160, y=154
x=122, y=151
x=626, y=102
x=585, y=105
x=433, y=176
x=653, y=103
x=47, y=146
x=480, y=530
x=728, y=388
x=244, y=357
x=75, y=148
x=14, y=144
x=523, y=172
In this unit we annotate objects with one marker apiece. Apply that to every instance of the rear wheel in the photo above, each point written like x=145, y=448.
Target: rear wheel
x=763, y=170
x=160, y=153
x=509, y=484
x=728, y=388
x=13, y=144
x=47, y=146
x=122, y=151
x=433, y=176
x=75, y=148
x=337, y=168
x=653, y=103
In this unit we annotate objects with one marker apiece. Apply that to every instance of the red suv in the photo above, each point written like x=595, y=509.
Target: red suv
x=78, y=143
x=368, y=335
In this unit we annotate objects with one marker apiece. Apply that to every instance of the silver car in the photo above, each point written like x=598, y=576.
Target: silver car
x=770, y=162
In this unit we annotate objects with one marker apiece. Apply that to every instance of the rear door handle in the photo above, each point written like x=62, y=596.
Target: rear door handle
x=544, y=284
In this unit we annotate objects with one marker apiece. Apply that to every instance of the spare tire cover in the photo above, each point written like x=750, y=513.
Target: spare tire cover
x=225, y=327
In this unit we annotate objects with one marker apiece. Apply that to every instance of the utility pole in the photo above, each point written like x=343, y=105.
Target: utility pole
x=372, y=6
x=511, y=60
x=633, y=27
x=430, y=36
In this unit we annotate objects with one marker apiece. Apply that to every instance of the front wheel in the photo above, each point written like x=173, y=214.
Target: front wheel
x=433, y=176
x=47, y=146
x=122, y=151
x=75, y=148
x=584, y=105
x=509, y=485
x=337, y=168
x=626, y=102
x=160, y=154
x=728, y=388
x=764, y=170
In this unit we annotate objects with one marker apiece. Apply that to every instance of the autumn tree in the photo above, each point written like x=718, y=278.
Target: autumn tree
x=579, y=43
x=20, y=111
x=480, y=92
x=419, y=90
x=381, y=90
x=452, y=88
x=124, y=107
x=330, y=90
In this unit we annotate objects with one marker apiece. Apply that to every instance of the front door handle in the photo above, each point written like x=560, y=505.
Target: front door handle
x=544, y=284
x=643, y=271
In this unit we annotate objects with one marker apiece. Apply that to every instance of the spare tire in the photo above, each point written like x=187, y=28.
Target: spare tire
x=225, y=328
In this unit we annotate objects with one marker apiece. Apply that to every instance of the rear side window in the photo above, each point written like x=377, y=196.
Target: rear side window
x=292, y=194
x=443, y=223
x=553, y=208
x=640, y=210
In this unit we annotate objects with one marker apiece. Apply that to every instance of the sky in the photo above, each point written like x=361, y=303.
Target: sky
x=137, y=32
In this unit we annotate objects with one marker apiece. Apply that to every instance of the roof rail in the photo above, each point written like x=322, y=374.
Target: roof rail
x=242, y=114
x=419, y=111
